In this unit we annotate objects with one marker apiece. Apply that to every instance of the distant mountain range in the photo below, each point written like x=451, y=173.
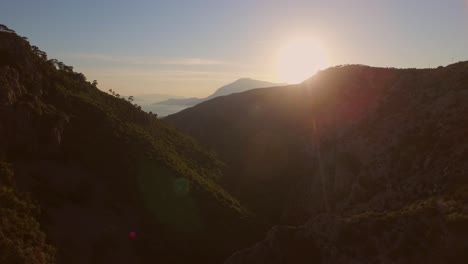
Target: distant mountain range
x=239, y=86
x=151, y=98
x=165, y=105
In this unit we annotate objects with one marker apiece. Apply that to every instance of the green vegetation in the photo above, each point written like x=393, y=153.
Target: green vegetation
x=370, y=157
x=79, y=147
x=21, y=239
x=418, y=232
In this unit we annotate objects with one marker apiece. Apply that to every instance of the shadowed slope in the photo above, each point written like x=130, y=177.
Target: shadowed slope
x=369, y=149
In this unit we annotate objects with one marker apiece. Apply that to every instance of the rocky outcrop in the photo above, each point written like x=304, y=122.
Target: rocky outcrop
x=10, y=89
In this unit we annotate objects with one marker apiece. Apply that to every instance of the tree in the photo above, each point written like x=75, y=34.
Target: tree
x=95, y=83
x=153, y=114
x=54, y=62
x=130, y=98
x=68, y=68
x=4, y=28
x=60, y=65
x=39, y=53
x=80, y=76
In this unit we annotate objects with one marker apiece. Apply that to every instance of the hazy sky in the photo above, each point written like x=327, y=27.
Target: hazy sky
x=193, y=47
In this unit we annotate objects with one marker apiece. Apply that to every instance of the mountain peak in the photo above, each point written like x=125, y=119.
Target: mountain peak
x=238, y=86
x=242, y=85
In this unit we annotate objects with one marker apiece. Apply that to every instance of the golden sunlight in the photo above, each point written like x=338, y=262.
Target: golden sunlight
x=299, y=59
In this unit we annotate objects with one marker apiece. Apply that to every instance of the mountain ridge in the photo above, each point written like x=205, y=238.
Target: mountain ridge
x=355, y=164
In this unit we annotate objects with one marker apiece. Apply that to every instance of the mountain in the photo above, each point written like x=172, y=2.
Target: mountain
x=81, y=169
x=238, y=86
x=355, y=165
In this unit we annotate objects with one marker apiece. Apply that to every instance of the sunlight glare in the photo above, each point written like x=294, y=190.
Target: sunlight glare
x=299, y=59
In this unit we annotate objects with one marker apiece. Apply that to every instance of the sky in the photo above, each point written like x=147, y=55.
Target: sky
x=190, y=48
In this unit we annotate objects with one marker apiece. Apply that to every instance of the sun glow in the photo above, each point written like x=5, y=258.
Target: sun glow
x=299, y=59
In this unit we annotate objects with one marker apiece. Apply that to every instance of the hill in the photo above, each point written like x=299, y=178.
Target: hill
x=80, y=169
x=241, y=85
x=355, y=165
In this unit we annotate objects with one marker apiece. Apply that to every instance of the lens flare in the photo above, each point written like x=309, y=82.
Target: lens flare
x=168, y=198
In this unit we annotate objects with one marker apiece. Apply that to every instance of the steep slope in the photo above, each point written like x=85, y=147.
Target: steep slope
x=99, y=168
x=372, y=159
x=251, y=134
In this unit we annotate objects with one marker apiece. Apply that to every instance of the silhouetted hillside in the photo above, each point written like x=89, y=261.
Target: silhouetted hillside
x=371, y=162
x=96, y=167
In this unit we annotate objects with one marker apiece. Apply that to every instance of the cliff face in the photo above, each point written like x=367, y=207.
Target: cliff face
x=371, y=159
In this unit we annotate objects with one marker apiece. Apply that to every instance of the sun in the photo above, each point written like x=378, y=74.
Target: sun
x=299, y=59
